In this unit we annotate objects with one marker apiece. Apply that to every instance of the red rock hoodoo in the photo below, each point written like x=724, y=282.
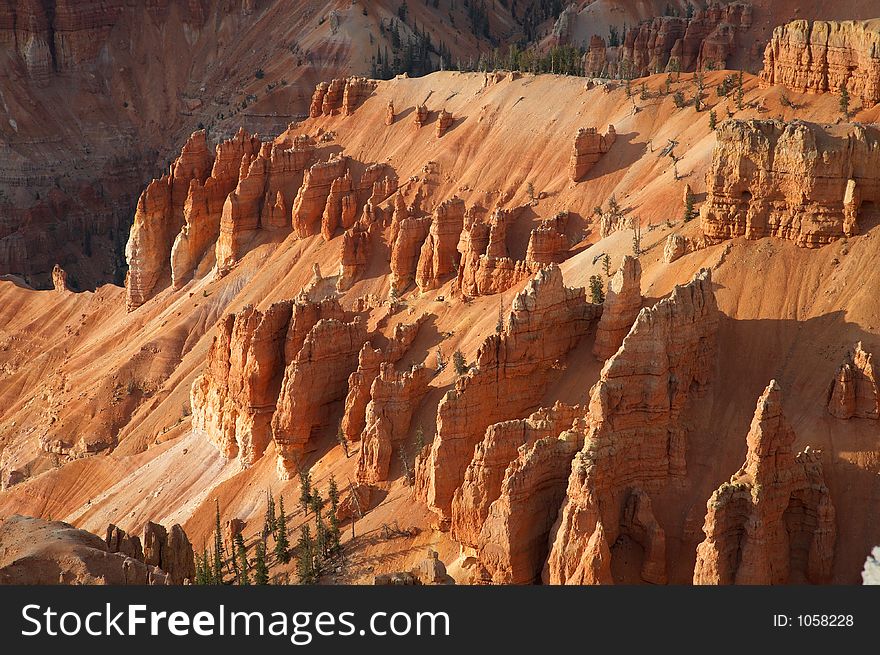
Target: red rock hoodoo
x=797, y=181
x=825, y=56
x=854, y=389
x=622, y=305
x=773, y=523
x=546, y=321
x=588, y=148
x=634, y=440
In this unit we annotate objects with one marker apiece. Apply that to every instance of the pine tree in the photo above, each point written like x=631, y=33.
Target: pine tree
x=844, y=100
x=606, y=265
x=269, y=523
x=333, y=493
x=261, y=571
x=713, y=121
x=305, y=557
x=335, y=532
x=320, y=528
x=597, y=291
x=689, y=213
x=218, y=548
x=459, y=362
x=305, y=491
x=282, y=545
x=244, y=566
x=340, y=437
x=207, y=570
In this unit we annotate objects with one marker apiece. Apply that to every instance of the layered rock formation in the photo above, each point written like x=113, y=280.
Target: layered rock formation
x=853, y=392
x=252, y=205
x=548, y=243
x=314, y=378
x=204, y=205
x=797, y=181
x=504, y=507
x=546, y=321
x=439, y=256
x=588, y=148
x=823, y=56
x=444, y=122
x=672, y=43
x=158, y=219
x=486, y=266
x=408, y=233
x=59, y=279
x=341, y=206
x=182, y=215
x=389, y=113
x=394, y=397
x=34, y=551
x=341, y=95
x=421, y=115
x=676, y=247
x=360, y=382
x=623, y=301
x=311, y=199
x=773, y=523
x=635, y=438
x=234, y=401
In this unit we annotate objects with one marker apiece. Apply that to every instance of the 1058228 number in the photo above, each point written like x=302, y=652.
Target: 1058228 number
x=824, y=620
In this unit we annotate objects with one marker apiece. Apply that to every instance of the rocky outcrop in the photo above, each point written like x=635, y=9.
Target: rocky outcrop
x=444, y=122
x=485, y=474
x=360, y=383
x=513, y=540
x=439, y=256
x=797, y=181
x=635, y=438
x=871, y=572
x=512, y=368
x=316, y=107
x=234, y=400
x=341, y=95
x=672, y=43
x=389, y=113
x=485, y=266
x=119, y=542
x=430, y=571
x=59, y=279
x=204, y=205
x=588, y=148
x=773, y=523
x=354, y=417
x=332, y=99
x=275, y=168
x=314, y=378
x=823, y=56
x=394, y=396
x=170, y=550
x=357, y=89
x=341, y=207
x=548, y=243
x=158, y=219
x=622, y=305
x=853, y=392
x=676, y=247
x=354, y=256
x=38, y=552
x=311, y=199
x=421, y=115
